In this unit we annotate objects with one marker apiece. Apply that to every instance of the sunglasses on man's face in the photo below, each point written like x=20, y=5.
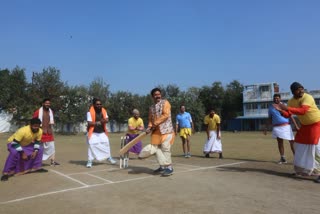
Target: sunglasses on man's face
x=98, y=104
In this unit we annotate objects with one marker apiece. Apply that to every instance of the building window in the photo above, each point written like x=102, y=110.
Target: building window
x=264, y=105
x=251, y=106
x=264, y=88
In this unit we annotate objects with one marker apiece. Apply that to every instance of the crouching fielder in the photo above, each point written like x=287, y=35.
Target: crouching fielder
x=213, y=143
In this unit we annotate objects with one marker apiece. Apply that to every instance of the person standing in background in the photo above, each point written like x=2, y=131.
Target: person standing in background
x=135, y=125
x=185, y=125
x=213, y=143
x=281, y=128
x=97, y=136
x=45, y=114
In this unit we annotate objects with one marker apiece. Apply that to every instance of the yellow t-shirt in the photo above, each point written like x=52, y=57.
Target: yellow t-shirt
x=133, y=122
x=312, y=115
x=212, y=122
x=25, y=136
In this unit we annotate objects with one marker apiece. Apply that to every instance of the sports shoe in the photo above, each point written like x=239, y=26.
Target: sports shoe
x=53, y=163
x=41, y=170
x=188, y=155
x=282, y=160
x=317, y=180
x=167, y=172
x=4, y=177
x=159, y=170
x=89, y=164
x=207, y=155
x=111, y=161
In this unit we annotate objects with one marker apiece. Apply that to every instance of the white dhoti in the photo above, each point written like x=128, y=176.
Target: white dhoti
x=283, y=132
x=162, y=151
x=213, y=144
x=306, y=159
x=317, y=159
x=48, y=150
x=98, y=147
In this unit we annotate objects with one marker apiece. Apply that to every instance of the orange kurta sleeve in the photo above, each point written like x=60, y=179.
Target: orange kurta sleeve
x=299, y=111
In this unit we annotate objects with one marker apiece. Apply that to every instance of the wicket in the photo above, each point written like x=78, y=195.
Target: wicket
x=124, y=159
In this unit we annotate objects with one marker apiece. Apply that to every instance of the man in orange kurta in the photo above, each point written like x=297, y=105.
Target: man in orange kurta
x=97, y=136
x=162, y=133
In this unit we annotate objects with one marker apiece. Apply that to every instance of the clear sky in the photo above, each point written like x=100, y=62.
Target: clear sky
x=135, y=45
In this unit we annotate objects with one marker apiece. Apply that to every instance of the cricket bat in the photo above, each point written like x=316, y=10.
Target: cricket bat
x=133, y=142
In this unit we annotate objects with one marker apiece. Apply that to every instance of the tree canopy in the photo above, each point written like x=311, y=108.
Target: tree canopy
x=70, y=103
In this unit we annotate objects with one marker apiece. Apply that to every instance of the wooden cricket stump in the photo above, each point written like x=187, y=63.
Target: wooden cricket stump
x=124, y=158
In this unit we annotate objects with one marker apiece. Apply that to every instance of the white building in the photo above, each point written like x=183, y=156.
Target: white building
x=256, y=100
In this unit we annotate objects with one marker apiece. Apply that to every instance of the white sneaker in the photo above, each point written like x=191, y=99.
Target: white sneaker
x=111, y=161
x=89, y=164
x=282, y=160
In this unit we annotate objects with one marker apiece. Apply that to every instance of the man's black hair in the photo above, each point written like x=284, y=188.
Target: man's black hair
x=95, y=100
x=276, y=95
x=35, y=121
x=154, y=90
x=45, y=100
x=294, y=86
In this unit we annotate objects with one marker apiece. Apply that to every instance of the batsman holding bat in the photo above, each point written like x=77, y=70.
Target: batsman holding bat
x=162, y=133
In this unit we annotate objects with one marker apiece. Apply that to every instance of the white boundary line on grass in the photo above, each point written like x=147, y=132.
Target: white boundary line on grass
x=102, y=184
x=211, y=167
x=101, y=170
x=111, y=182
x=66, y=176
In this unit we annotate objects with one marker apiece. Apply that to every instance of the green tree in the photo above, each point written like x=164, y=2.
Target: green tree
x=232, y=102
x=13, y=95
x=120, y=106
x=75, y=106
x=212, y=97
x=172, y=93
x=100, y=89
x=47, y=84
x=145, y=102
x=5, y=92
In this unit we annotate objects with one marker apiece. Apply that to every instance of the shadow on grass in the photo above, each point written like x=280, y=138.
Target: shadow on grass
x=216, y=156
x=134, y=170
x=84, y=163
x=250, y=160
x=265, y=171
